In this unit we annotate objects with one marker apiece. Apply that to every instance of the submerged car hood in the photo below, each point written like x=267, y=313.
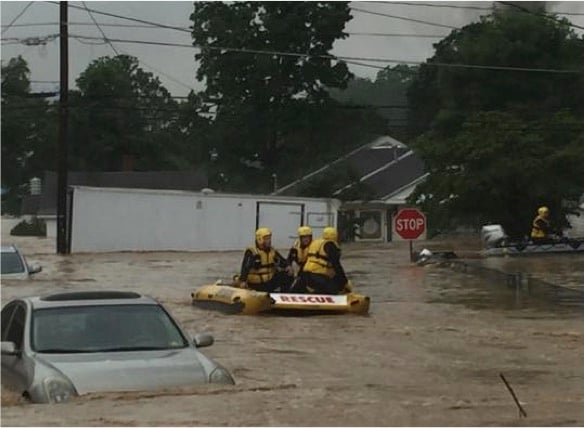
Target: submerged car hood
x=129, y=371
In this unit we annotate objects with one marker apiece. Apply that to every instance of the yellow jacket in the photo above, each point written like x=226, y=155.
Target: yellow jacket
x=265, y=271
x=318, y=261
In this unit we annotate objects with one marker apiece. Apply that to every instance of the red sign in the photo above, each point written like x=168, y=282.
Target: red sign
x=410, y=223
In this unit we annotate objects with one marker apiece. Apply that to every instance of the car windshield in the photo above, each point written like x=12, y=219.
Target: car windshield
x=11, y=263
x=104, y=328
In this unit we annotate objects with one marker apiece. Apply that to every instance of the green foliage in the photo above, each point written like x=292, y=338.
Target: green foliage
x=123, y=118
x=264, y=103
x=388, y=90
x=498, y=144
x=36, y=227
x=25, y=128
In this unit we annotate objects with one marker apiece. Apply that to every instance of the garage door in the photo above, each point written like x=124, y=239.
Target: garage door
x=283, y=218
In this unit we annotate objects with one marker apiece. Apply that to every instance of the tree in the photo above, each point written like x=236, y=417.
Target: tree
x=261, y=99
x=389, y=90
x=25, y=133
x=500, y=143
x=123, y=118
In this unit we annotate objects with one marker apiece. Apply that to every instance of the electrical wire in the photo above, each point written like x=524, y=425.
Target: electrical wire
x=16, y=18
x=349, y=33
x=320, y=56
x=530, y=12
x=178, y=82
x=347, y=59
x=113, y=15
x=141, y=61
x=340, y=58
x=404, y=18
x=458, y=6
x=73, y=23
x=431, y=5
x=100, y=29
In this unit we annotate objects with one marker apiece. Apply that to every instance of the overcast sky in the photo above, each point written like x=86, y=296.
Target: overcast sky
x=176, y=66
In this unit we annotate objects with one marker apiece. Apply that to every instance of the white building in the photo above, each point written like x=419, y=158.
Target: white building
x=122, y=219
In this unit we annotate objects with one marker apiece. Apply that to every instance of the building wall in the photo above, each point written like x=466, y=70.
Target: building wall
x=106, y=219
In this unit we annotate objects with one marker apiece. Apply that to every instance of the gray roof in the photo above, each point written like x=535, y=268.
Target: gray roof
x=46, y=203
x=384, y=165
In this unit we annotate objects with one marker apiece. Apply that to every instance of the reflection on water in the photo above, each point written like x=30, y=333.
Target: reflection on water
x=517, y=288
x=559, y=269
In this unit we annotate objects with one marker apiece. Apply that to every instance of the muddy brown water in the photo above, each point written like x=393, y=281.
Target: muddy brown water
x=429, y=353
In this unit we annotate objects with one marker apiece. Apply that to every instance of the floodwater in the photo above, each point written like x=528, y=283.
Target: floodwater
x=430, y=353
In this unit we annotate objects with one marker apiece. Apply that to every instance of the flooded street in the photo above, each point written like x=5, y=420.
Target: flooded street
x=429, y=354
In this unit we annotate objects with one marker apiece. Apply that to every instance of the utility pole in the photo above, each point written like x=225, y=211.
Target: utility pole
x=62, y=247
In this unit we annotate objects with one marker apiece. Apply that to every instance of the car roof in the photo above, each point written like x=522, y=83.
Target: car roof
x=89, y=298
x=8, y=249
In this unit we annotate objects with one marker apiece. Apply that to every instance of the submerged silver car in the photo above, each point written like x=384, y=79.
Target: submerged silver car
x=69, y=344
x=14, y=265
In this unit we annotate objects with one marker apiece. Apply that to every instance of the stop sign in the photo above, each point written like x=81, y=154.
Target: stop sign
x=410, y=223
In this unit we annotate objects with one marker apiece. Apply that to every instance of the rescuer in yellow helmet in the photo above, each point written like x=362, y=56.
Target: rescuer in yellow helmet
x=264, y=268
x=322, y=272
x=541, y=229
x=300, y=249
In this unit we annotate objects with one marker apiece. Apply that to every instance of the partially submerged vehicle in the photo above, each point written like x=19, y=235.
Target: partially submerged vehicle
x=14, y=264
x=497, y=243
x=230, y=299
x=63, y=345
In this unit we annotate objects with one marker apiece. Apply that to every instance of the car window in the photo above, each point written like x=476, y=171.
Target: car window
x=104, y=328
x=7, y=312
x=16, y=328
x=11, y=263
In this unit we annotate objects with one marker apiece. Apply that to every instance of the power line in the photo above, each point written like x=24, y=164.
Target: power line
x=425, y=36
x=340, y=58
x=103, y=24
x=347, y=59
x=431, y=5
x=530, y=12
x=30, y=41
x=100, y=29
x=144, y=63
x=156, y=24
x=350, y=33
x=167, y=76
x=404, y=18
x=459, y=7
x=17, y=16
x=113, y=15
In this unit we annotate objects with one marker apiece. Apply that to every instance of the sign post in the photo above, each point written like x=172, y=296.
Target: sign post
x=410, y=224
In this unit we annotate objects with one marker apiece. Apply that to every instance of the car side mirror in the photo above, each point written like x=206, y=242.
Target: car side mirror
x=34, y=269
x=202, y=340
x=8, y=348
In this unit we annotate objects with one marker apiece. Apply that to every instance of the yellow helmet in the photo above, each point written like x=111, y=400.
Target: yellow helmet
x=305, y=231
x=543, y=211
x=330, y=234
x=262, y=233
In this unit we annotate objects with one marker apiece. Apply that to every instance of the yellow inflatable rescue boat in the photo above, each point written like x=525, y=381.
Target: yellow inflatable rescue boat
x=227, y=298
x=230, y=299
